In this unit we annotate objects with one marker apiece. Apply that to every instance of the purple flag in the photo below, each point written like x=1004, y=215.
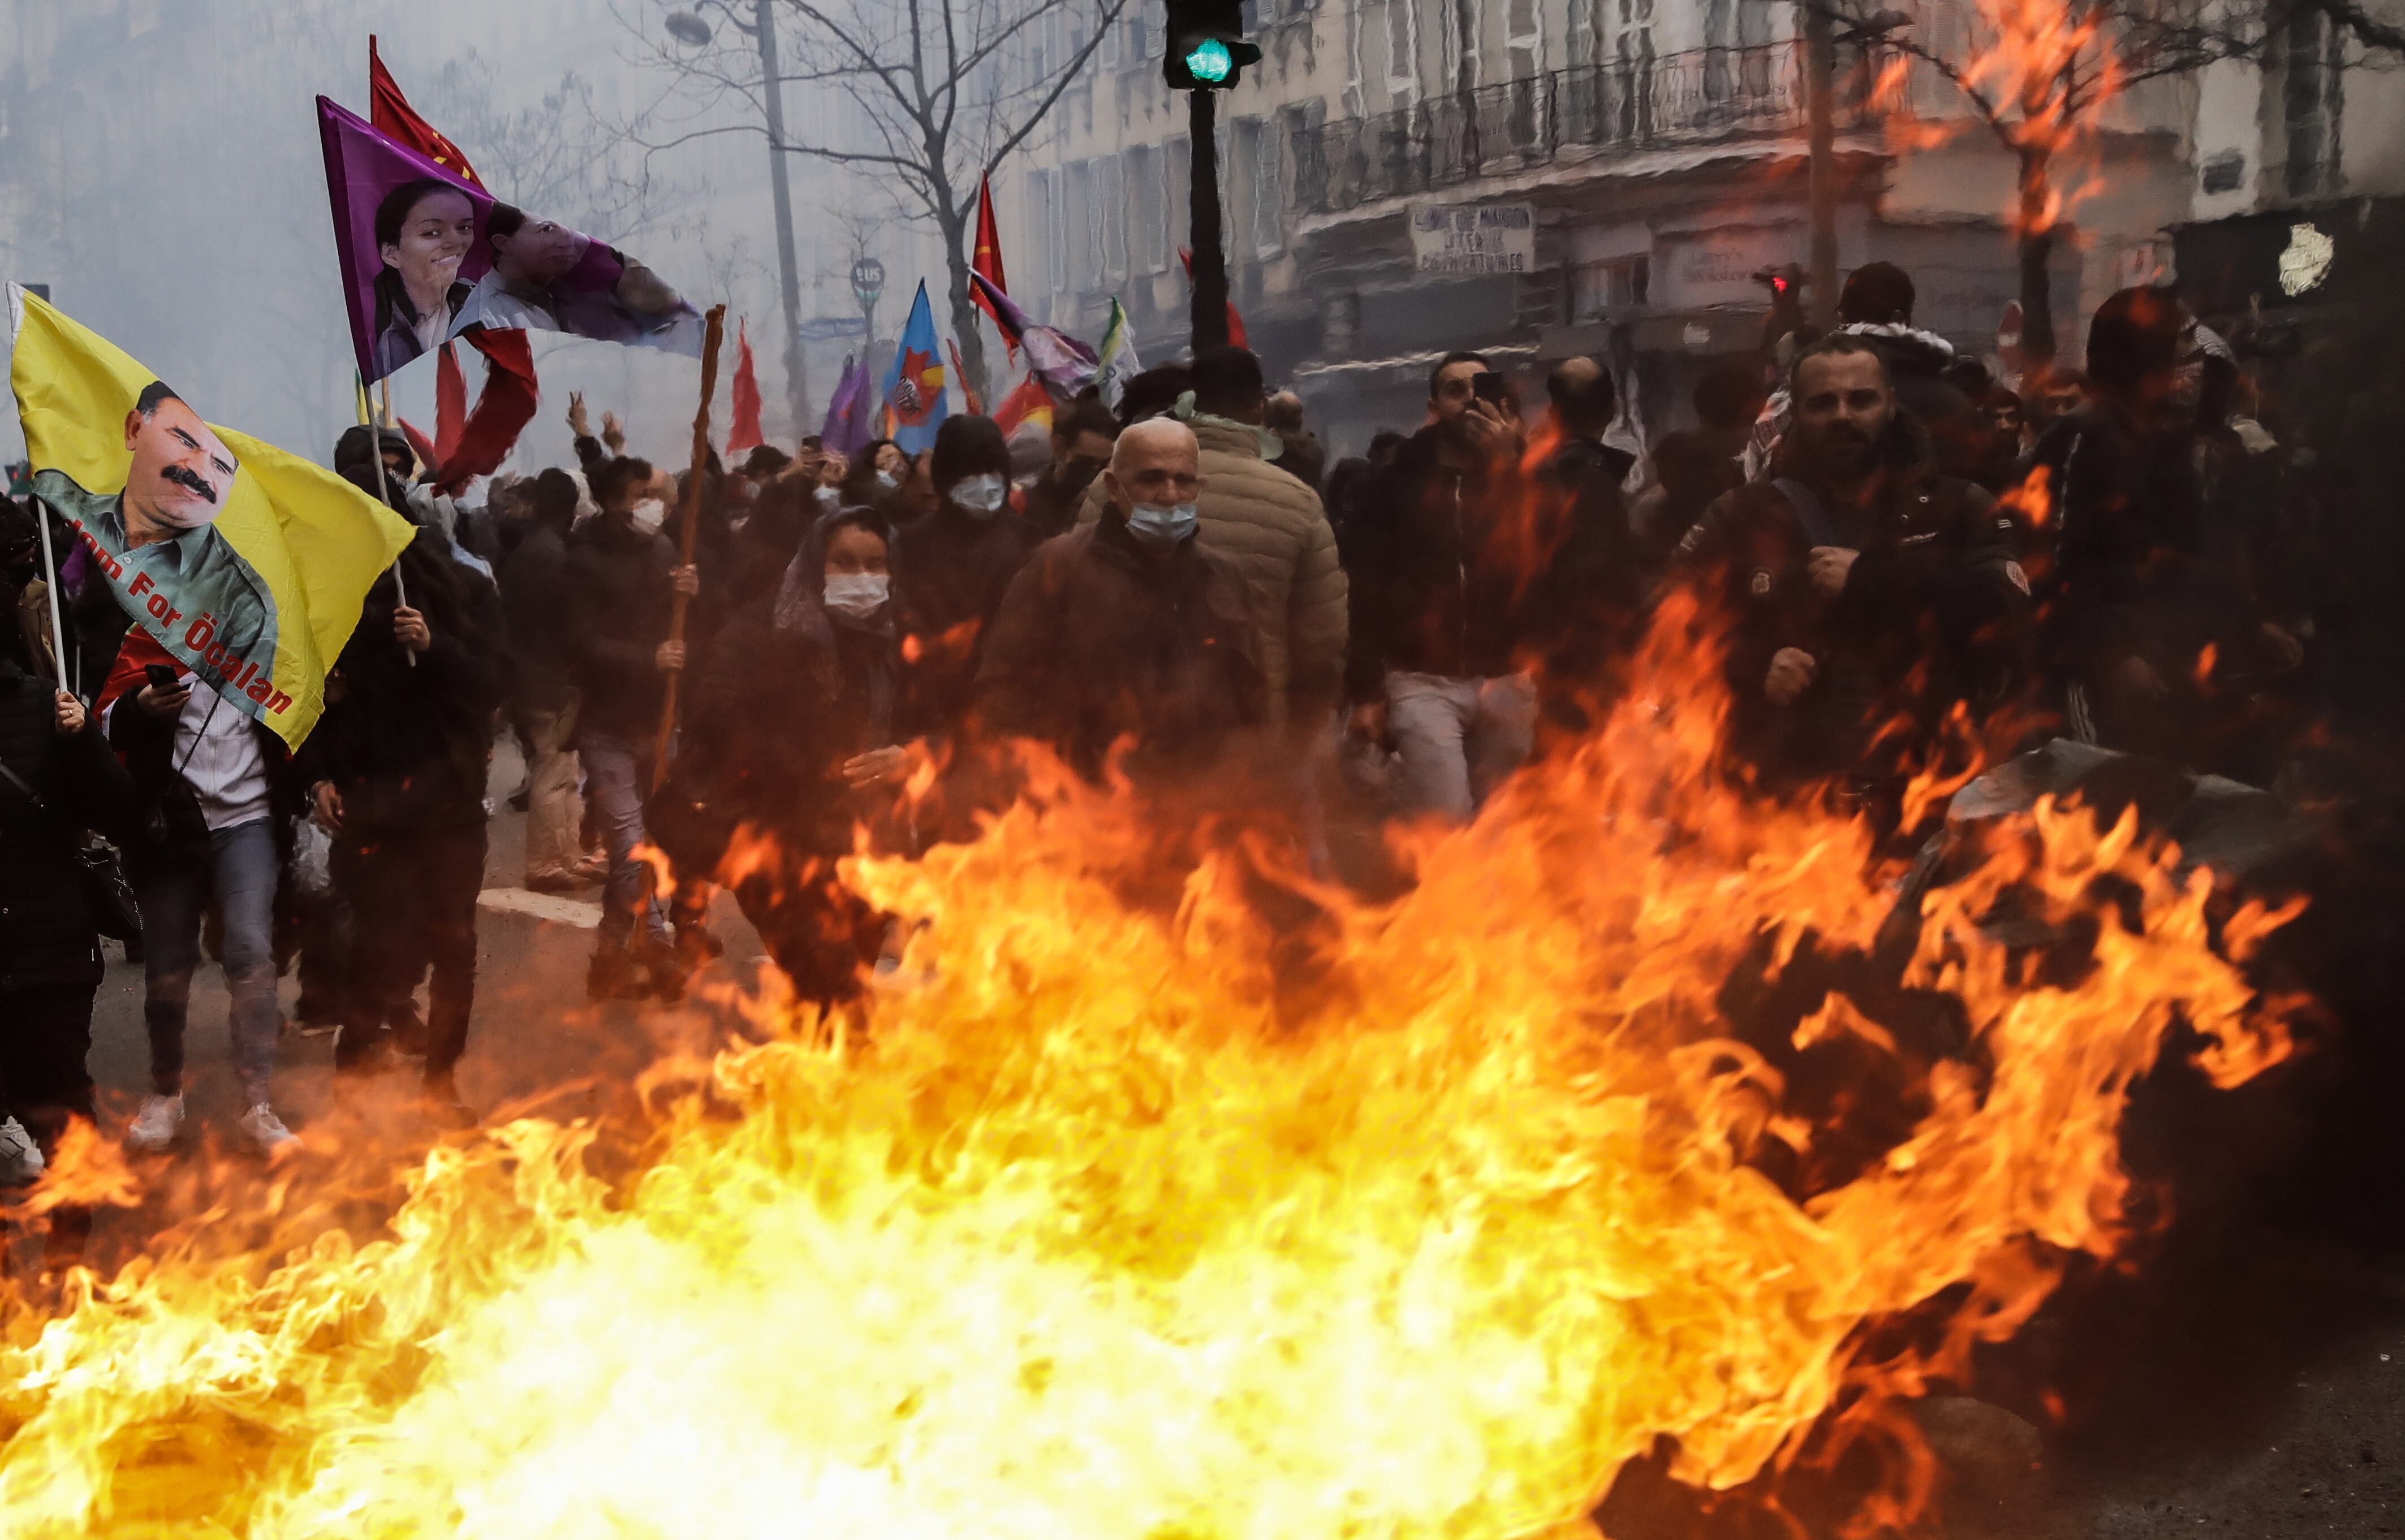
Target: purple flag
x=1059, y=359
x=427, y=255
x=848, y=429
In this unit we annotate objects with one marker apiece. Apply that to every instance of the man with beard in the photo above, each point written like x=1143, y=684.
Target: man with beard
x=1864, y=586
x=159, y=536
x=1436, y=574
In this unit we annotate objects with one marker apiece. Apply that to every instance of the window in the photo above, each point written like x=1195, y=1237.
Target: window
x=2312, y=61
x=1148, y=210
x=1111, y=187
x=1139, y=40
x=1083, y=228
x=1402, y=53
x=1462, y=25
x=1268, y=182
x=1040, y=226
x=1356, y=101
x=1524, y=34
x=1106, y=53
x=1614, y=287
x=1586, y=34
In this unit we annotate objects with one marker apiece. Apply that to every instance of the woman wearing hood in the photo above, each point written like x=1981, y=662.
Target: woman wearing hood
x=798, y=734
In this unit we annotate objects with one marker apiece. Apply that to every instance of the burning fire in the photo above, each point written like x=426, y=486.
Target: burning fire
x=1138, y=1219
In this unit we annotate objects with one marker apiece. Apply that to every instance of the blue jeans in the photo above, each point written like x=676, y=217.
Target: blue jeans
x=615, y=781
x=241, y=871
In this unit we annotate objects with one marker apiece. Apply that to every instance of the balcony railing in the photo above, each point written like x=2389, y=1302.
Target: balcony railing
x=1703, y=97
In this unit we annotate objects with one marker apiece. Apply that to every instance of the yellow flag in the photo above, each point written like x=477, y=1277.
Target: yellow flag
x=246, y=564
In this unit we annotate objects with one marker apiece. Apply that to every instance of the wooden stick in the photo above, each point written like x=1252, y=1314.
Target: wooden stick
x=384, y=487
x=58, y=630
x=690, y=508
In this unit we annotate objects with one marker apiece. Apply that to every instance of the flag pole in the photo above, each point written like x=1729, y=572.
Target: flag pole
x=50, y=568
x=384, y=490
x=689, y=509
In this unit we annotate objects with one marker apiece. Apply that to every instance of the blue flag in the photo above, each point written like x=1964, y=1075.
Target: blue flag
x=916, y=402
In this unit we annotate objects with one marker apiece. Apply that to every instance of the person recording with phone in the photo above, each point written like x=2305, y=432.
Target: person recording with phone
x=1432, y=670
x=215, y=811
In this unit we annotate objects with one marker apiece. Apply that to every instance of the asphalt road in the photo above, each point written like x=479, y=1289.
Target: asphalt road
x=2248, y=1378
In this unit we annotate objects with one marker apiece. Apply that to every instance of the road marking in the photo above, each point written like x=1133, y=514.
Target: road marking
x=546, y=906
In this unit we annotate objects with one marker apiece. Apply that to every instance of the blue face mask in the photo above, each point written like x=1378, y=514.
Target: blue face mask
x=1162, y=527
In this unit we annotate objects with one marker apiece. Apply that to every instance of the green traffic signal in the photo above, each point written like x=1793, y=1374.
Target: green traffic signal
x=1209, y=61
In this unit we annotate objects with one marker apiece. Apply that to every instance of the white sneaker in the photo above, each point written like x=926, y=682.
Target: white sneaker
x=266, y=1130
x=20, y=1158
x=157, y=1124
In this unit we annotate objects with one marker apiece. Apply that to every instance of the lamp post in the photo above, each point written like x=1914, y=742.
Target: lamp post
x=690, y=28
x=867, y=283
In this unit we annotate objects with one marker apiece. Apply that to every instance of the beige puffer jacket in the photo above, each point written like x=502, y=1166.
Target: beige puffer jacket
x=1272, y=528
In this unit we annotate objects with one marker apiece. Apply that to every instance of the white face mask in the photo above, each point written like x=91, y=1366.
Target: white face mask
x=888, y=480
x=650, y=514
x=1162, y=527
x=858, y=595
x=982, y=494
x=829, y=500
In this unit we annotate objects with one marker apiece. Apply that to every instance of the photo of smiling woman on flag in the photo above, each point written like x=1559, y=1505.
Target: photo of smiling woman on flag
x=423, y=231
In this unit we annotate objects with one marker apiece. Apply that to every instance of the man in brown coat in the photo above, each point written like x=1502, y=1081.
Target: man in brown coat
x=1126, y=628
x=1272, y=528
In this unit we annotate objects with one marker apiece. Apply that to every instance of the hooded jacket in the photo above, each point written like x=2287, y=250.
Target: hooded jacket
x=788, y=693
x=950, y=572
x=408, y=744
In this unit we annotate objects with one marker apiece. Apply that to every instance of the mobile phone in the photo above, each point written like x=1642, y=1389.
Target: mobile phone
x=1487, y=385
x=161, y=676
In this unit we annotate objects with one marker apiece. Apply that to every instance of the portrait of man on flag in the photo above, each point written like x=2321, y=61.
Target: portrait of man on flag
x=246, y=564
x=160, y=530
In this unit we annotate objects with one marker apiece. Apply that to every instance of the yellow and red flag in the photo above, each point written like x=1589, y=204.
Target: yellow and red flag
x=246, y=564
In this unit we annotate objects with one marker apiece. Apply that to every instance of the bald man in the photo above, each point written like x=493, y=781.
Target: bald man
x=1126, y=628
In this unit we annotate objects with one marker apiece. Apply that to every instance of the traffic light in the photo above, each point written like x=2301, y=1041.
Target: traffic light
x=1207, y=50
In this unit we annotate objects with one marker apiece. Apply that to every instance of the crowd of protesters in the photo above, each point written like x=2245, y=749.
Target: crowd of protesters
x=1179, y=593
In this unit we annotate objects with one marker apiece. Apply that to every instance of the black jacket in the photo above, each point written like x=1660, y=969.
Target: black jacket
x=2124, y=571
x=1581, y=602
x=620, y=597
x=1435, y=577
x=537, y=604
x=1932, y=612
x=407, y=745
x=47, y=936
x=950, y=572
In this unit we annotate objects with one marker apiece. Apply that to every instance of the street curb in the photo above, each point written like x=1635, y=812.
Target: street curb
x=543, y=906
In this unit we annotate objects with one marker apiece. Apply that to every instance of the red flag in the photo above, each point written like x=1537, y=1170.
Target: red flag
x=1029, y=403
x=987, y=262
x=1235, y=322
x=418, y=442
x=450, y=404
x=394, y=118
x=477, y=446
x=743, y=433
x=968, y=391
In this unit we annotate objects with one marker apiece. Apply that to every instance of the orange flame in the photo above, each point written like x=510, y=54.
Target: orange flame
x=1132, y=1218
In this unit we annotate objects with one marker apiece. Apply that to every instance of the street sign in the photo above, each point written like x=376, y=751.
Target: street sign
x=1473, y=240
x=834, y=329
x=868, y=281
